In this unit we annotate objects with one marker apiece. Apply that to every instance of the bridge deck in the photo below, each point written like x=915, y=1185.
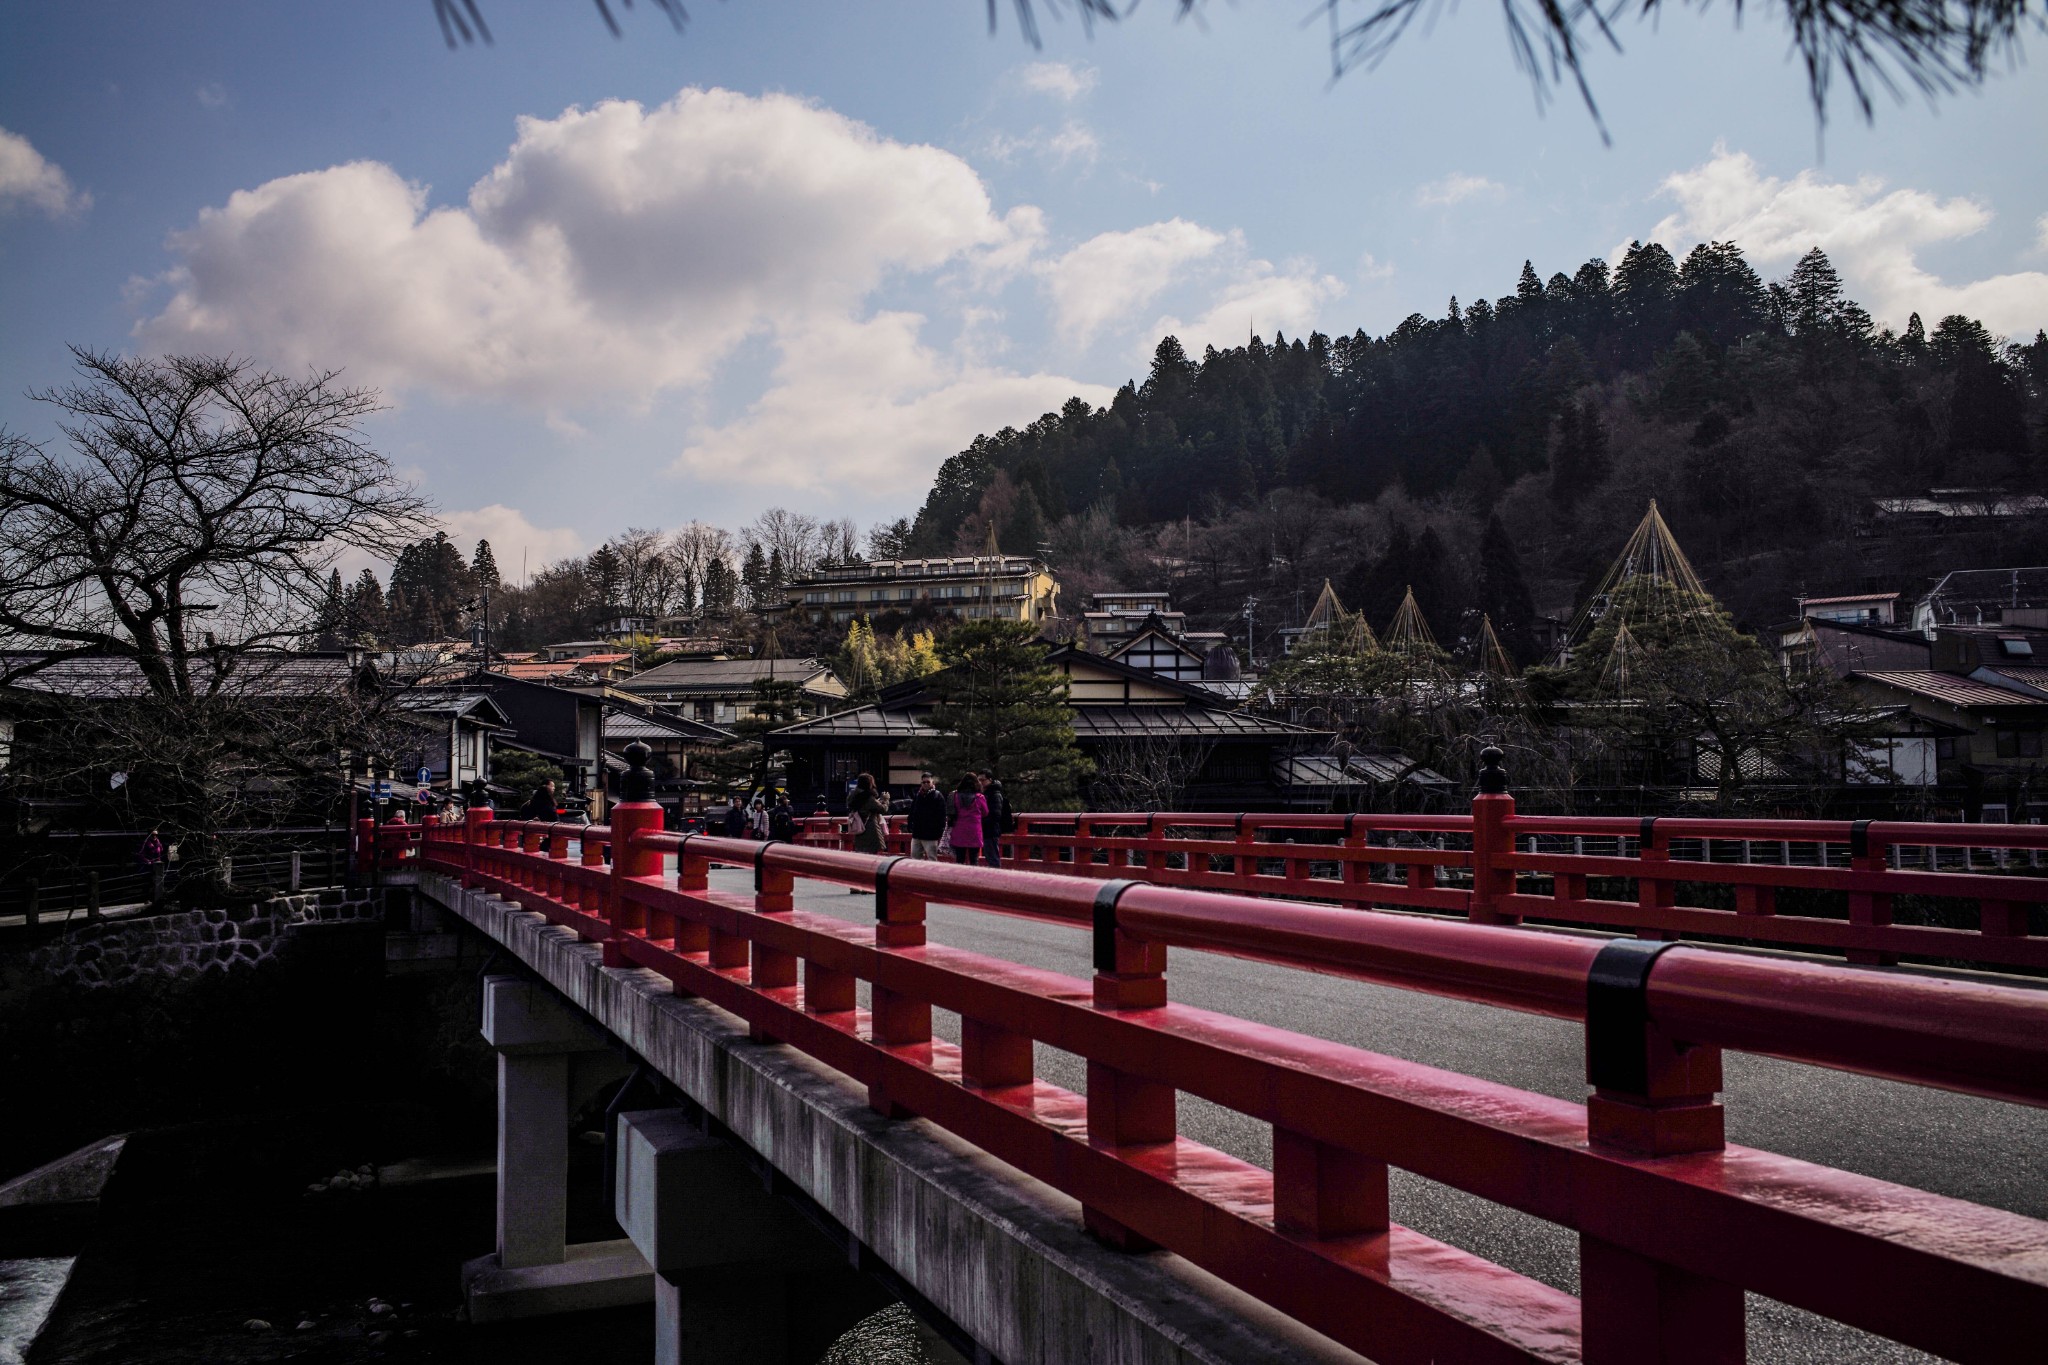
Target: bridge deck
x=1987, y=1152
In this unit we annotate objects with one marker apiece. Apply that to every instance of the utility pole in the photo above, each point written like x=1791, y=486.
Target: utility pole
x=1251, y=607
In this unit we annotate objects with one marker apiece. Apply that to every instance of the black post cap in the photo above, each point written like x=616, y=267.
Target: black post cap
x=1493, y=779
x=638, y=782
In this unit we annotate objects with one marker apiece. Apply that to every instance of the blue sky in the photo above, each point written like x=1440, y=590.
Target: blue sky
x=798, y=254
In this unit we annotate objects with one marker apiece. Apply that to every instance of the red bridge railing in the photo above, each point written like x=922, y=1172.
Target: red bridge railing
x=1674, y=1223
x=1660, y=878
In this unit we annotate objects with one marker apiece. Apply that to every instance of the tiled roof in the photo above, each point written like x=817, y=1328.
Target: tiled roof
x=724, y=675
x=1090, y=722
x=1852, y=597
x=529, y=672
x=630, y=725
x=105, y=677
x=1950, y=688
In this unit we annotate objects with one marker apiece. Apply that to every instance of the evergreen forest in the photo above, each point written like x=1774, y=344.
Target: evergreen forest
x=1496, y=457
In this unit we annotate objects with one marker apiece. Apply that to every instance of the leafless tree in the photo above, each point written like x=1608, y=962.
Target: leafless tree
x=691, y=549
x=796, y=536
x=1145, y=774
x=154, y=575
x=197, y=514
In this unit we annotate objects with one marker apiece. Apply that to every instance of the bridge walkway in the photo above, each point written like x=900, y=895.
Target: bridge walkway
x=1958, y=1145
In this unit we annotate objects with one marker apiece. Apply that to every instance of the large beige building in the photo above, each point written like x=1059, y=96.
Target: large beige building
x=968, y=587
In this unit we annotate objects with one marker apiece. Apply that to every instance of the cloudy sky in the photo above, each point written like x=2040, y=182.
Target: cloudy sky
x=799, y=254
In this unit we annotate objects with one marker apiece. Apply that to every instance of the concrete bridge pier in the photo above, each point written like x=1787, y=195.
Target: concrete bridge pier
x=740, y=1275
x=535, y=1270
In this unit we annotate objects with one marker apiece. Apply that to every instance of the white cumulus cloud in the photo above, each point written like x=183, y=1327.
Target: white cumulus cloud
x=615, y=250
x=29, y=181
x=862, y=408
x=1873, y=236
x=513, y=538
x=1456, y=188
x=1061, y=80
x=1258, y=298
x=1107, y=278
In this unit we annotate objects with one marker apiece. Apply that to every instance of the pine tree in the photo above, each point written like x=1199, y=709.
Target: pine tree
x=999, y=708
x=1578, y=462
x=1503, y=594
x=484, y=565
x=1375, y=587
x=754, y=577
x=719, y=587
x=1024, y=528
x=330, y=621
x=364, y=619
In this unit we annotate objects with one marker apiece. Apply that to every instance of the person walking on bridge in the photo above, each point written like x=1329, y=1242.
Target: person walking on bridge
x=927, y=820
x=867, y=807
x=999, y=821
x=968, y=807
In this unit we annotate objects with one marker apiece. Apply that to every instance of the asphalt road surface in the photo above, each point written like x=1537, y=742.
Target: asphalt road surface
x=1986, y=1152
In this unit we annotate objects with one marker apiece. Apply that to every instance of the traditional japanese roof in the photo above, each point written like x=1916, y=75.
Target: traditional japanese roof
x=631, y=725
x=106, y=677
x=1852, y=597
x=1952, y=688
x=1090, y=723
x=732, y=676
x=476, y=706
x=530, y=672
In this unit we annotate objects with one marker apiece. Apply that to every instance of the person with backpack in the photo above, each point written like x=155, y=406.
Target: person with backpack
x=866, y=813
x=782, y=820
x=1000, y=821
x=968, y=808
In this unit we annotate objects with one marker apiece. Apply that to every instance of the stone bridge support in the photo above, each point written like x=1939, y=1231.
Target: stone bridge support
x=535, y=1270
x=740, y=1275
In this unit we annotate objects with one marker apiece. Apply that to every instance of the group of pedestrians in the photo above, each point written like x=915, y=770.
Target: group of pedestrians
x=971, y=820
x=761, y=819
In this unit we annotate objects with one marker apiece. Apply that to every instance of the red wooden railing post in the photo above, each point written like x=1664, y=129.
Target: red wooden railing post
x=1492, y=844
x=1868, y=909
x=896, y=1019
x=1656, y=892
x=1652, y=1096
x=774, y=894
x=366, y=847
x=1124, y=1110
x=474, y=821
x=557, y=871
x=635, y=814
x=591, y=881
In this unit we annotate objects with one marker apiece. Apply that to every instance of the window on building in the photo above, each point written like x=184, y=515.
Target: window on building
x=1945, y=747
x=2019, y=743
x=2016, y=649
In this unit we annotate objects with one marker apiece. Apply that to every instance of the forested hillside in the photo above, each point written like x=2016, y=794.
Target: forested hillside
x=1767, y=419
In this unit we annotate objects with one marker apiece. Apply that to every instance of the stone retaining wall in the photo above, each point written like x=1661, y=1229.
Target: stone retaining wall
x=187, y=944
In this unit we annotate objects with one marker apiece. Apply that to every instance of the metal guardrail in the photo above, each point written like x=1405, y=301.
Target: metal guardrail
x=1674, y=1223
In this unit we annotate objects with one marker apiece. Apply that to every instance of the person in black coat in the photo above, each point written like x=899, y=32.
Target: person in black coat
x=736, y=821
x=927, y=821
x=540, y=805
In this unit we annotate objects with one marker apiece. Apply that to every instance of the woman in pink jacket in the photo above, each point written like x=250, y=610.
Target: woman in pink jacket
x=965, y=809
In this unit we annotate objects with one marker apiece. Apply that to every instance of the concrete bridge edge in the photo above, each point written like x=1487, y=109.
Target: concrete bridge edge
x=999, y=1253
